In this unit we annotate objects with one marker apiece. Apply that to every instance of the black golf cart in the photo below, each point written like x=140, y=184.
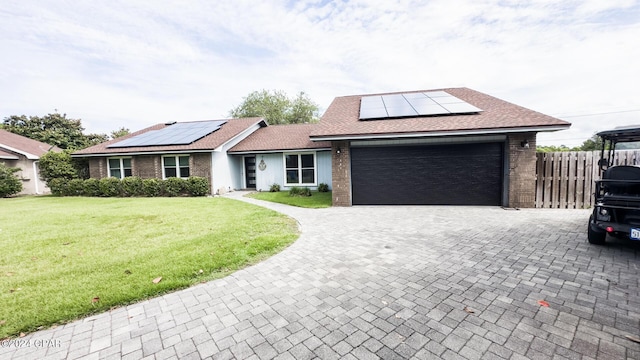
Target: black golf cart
x=616, y=208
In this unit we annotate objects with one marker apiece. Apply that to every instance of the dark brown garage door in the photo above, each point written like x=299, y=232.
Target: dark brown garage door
x=462, y=174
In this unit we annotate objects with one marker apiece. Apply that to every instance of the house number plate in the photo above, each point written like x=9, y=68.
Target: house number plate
x=635, y=234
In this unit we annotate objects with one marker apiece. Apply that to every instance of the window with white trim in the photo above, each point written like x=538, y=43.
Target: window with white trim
x=175, y=166
x=300, y=169
x=119, y=167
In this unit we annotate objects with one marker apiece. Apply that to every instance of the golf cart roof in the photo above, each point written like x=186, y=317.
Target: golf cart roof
x=622, y=134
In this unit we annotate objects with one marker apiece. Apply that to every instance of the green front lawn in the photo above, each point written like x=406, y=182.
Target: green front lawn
x=63, y=258
x=316, y=200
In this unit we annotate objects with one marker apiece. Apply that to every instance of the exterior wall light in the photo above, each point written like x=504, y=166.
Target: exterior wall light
x=525, y=144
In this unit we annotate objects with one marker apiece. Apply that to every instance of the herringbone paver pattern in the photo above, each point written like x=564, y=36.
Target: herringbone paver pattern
x=391, y=283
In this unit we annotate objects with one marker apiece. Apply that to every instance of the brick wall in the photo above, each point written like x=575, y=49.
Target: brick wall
x=200, y=165
x=97, y=168
x=341, y=173
x=147, y=166
x=150, y=166
x=522, y=170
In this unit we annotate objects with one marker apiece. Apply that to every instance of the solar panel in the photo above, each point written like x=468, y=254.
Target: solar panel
x=177, y=134
x=430, y=103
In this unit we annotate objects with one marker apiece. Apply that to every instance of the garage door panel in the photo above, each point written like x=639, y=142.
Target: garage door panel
x=467, y=174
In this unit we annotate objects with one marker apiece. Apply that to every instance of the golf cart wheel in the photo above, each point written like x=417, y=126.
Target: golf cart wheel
x=595, y=237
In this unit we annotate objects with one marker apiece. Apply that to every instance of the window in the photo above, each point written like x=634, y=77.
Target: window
x=176, y=166
x=300, y=169
x=119, y=167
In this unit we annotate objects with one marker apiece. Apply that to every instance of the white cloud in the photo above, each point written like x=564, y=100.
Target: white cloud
x=137, y=63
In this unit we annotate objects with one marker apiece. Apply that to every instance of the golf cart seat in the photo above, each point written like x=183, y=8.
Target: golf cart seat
x=626, y=173
x=622, y=172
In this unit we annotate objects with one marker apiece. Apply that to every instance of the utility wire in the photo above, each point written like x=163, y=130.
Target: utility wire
x=595, y=114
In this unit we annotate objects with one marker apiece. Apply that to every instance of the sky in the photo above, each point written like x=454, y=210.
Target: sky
x=135, y=63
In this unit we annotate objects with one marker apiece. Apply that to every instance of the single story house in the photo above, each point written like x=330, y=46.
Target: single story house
x=17, y=151
x=444, y=146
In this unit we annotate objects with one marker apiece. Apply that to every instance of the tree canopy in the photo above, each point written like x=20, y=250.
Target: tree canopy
x=120, y=133
x=277, y=108
x=54, y=129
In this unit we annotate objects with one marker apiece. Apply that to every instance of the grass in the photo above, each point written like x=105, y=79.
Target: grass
x=316, y=200
x=64, y=258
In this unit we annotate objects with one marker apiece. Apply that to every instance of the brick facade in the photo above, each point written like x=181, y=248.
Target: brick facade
x=147, y=166
x=150, y=166
x=522, y=170
x=97, y=168
x=200, y=165
x=341, y=173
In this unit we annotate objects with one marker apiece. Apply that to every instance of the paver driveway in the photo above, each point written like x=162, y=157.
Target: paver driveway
x=391, y=282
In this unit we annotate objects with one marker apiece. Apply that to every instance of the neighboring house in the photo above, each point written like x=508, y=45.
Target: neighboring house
x=21, y=152
x=447, y=146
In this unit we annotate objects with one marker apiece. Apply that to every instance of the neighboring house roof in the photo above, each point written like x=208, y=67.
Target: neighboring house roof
x=19, y=144
x=341, y=120
x=231, y=129
x=7, y=156
x=280, y=137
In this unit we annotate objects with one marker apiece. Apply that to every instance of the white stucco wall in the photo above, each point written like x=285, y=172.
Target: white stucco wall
x=224, y=166
x=274, y=171
x=31, y=183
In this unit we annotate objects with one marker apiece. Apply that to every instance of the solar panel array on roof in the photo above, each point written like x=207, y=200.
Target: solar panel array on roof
x=177, y=134
x=431, y=103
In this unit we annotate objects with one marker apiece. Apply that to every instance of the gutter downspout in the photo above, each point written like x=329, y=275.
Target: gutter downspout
x=36, y=177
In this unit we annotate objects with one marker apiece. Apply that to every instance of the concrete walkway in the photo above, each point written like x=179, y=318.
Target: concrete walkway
x=390, y=282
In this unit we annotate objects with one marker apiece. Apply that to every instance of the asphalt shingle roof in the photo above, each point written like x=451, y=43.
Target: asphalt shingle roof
x=230, y=129
x=342, y=118
x=24, y=145
x=280, y=137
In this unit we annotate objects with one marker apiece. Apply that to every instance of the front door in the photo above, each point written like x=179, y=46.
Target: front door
x=250, y=172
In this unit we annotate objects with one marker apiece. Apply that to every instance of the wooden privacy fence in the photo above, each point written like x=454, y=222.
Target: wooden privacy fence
x=565, y=179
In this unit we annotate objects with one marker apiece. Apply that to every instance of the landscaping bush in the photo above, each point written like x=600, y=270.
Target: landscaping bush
x=132, y=186
x=57, y=165
x=197, y=186
x=174, y=186
x=274, y=188
x=110, y=187
x=9, y=182
x=58, y=186
x=299, y=191
x=91, y=187
x=322, y=187
x=75, y=187
x=151, y=187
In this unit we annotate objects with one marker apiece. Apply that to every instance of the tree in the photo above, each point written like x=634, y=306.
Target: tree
x=592, y=143
x=276, y=108
x=9, y=182
x=120, y=133
x=54, y=129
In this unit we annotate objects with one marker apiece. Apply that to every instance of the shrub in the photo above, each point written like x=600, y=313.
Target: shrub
x=132, y=186
x=57, y=165
x=322, y=187
x=197, y=186
x=299, y=191
x=91, y=187
x=174, y=186
x=151, y=187
x=110, y=187
x=274, y=188
x=75, y=187
x=58, y=186
x=9, y=182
